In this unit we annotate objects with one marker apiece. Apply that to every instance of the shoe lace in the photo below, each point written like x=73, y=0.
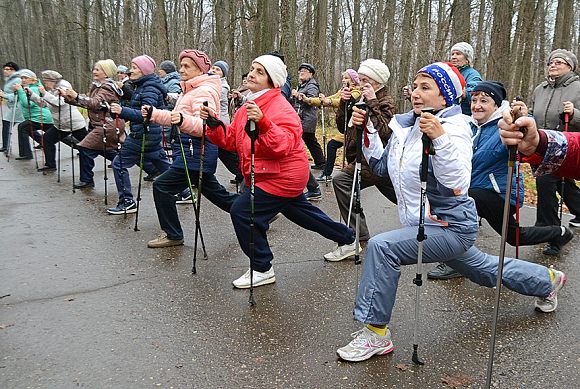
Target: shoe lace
x=361, y=338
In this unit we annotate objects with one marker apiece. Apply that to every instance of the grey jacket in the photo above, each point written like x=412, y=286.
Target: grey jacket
x=61, y=120
x=224, y=102
x=547, y=102
x=10, y=99
x=308, y=114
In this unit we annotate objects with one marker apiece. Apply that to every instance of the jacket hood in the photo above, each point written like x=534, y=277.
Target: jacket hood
x=564, y=79
x=112, y=84
x=207, y=80
x=171, y=76
x=152, y=80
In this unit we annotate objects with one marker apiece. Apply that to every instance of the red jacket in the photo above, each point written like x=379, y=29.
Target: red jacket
x=571, y=165
x=281, y=164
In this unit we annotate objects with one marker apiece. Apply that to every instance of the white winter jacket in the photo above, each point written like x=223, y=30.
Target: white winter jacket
x=447, y=203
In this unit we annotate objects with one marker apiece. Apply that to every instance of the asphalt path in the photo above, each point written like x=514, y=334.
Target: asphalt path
x=84, y=302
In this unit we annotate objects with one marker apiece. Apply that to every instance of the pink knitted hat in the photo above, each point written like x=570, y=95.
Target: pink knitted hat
x=199, y=57
x=145, y=63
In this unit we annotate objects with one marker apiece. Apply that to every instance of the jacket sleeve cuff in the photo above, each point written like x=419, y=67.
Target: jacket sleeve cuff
x=554, y=155
x=538, y=156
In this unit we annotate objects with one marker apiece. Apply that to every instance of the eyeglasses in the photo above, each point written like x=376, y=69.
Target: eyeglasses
x=557, y=63
x=303, y=71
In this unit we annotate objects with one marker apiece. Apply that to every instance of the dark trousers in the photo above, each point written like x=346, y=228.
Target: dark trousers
x=297, y=209
x=490, y=205
x=331, y=149
x=547, y=207
x=6, y=133
x=87, y=162
x=25, y=132
x=314, y=147
x=174, y=181
x=127, y=159
x=52, y=136
x=312, y=184
x=231, y=161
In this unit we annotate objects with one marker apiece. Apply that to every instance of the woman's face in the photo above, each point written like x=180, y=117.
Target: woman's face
x=120, y=76
x=426, y=94
x=345, y=80
x=557, y=67
x=189, y=69
x=136, y=73
x=364, y=79
x=48, y=85
x=482, y=106
x=162, y=73
x=8, y=71
x=217, y=71
x=26, y=80
x=258, y=78
x=458, y=58
x=98, y=73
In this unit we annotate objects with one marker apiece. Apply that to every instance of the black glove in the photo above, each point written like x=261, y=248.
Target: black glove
x=174, y=136
x=215, y=122
x=252, y=130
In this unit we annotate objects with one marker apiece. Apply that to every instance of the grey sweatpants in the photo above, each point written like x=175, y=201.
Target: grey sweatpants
x=386, y=252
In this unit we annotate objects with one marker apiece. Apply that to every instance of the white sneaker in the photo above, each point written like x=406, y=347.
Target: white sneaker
x=260, y=279
x=365, y=344
x=341, y=252
x=550, y=303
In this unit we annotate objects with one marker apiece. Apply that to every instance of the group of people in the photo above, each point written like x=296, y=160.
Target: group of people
x=265, y=134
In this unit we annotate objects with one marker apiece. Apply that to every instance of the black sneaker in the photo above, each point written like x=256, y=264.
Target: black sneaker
x=314, y=195
x=443, y=272
x=46, y=169
x=319, y=166
x=574, y=222
x=152, y=176
x=122, y=208
x=555, y=246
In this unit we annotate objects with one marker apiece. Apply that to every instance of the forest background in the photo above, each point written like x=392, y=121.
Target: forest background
x=511, y=38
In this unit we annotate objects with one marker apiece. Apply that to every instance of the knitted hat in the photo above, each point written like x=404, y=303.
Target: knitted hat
x=168, y=66
x=145, y=63
x=51, y=76
x=28, y=73
x=353, y=76
x=122, y=69
x=275, y=68
x=223, y=66
x=108, y=67
x=448, y=79
x=199, y=57
x=12, y=65
x=494, y=89
x=308, y=67
x=375, y=69
x=567, y=56
x=466, y=49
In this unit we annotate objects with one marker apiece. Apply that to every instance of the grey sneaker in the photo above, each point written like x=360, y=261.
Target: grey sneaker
x=365, y=344
x=341, y=252
x=260, y=279
x=550, y=303
x=443, y=272
x=163, y=241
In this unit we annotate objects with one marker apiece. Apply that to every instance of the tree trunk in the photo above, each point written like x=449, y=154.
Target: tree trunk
x=499, y=52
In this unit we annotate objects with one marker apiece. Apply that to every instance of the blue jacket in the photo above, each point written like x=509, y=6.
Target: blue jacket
x=150, y=91
x=489, y=162
x=172, y=83
x=472, y=78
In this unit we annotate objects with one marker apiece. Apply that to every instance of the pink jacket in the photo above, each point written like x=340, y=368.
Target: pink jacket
x=195, y=91
x=281, y=164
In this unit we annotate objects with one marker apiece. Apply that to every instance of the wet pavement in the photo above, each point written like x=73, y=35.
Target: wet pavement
x=86, y=304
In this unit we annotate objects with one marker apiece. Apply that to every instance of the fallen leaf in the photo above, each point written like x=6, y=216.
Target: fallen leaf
x=401, y=367
x=179, y=366
x=455, y=381
x=69, y=299
x=2, y=326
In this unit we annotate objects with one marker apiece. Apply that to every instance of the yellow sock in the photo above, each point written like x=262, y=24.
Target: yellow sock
x=376, y=330
x=551, y=276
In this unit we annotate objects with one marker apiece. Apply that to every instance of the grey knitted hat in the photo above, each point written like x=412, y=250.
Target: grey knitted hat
x=567, y=56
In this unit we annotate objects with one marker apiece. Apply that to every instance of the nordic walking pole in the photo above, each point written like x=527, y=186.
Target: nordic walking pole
x=199, y=183
x=59, y=124
x=31, y=129
x=563, y=181
x=145, y=131
x=253, y=136
x=323, y=141
x=346, y=108
x=516, y=113
x=72, y=151
x=41, y=132
x=426, y=151
x=518, y=206
x=118, y=131
x=9, y=146
x=175, y=130
x=358, y=173
x=104, y=109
